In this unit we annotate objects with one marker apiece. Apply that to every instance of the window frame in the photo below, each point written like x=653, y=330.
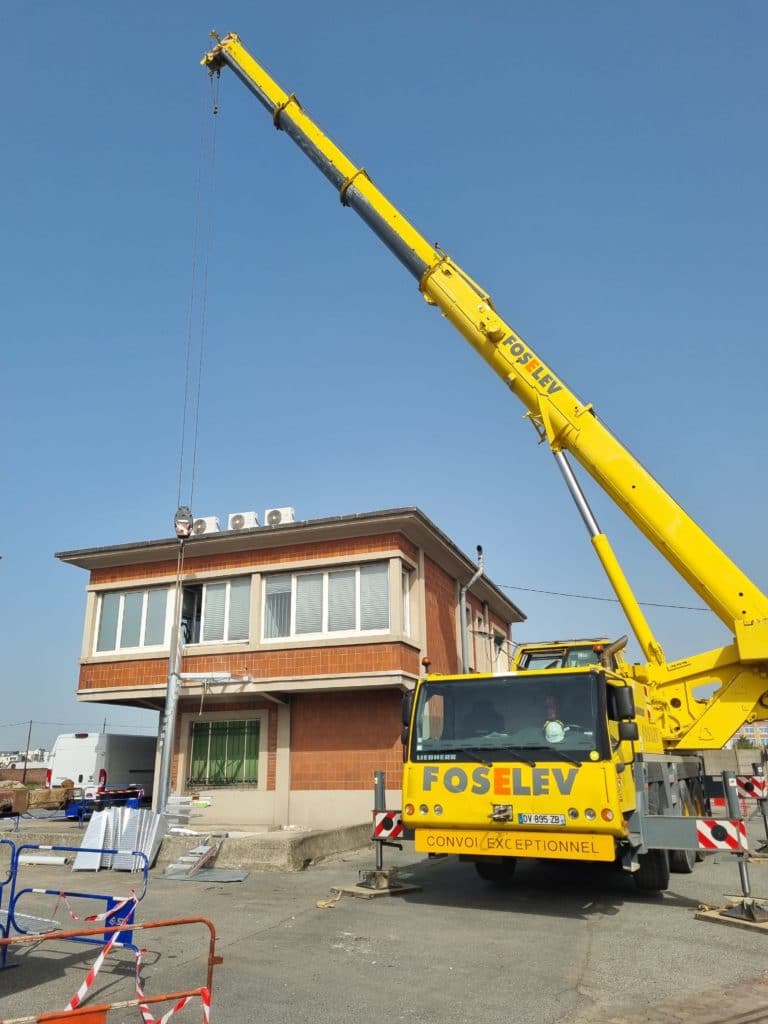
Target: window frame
x=325, y=633
x=140, y=647
x=406, y=581
x=218, y=718
x=201, y=585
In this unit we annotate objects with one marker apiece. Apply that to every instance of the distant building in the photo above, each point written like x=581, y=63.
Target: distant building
x=317, y=629
x=756, y=734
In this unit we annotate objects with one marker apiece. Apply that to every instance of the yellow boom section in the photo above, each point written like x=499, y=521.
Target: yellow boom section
x=559, y=416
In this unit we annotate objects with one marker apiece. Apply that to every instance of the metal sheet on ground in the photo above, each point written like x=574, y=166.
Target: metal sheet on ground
x=209, y=875
x=94, y=840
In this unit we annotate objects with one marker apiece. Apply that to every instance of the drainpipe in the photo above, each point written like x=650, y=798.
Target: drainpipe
x=463, y=611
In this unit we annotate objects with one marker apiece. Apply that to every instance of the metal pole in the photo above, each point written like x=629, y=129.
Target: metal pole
x=173, y=688
x=379, y=804
x=26, y=753
x=762, y=802
x=734, y=811
x=463, y=632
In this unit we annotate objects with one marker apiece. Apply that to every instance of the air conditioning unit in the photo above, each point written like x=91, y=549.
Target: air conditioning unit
x=242, y=521
x=279, y=516
x=208, y=524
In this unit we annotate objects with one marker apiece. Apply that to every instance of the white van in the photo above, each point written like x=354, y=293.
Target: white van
x=96, y=761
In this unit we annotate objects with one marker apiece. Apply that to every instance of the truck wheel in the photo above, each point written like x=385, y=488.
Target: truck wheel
x=496, y=869
x=653, y=875
x=682, y=862
x=699, y=808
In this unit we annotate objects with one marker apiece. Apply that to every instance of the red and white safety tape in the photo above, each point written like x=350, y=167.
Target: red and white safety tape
x=81, y=993
x=131, y=898
x=146, y=1013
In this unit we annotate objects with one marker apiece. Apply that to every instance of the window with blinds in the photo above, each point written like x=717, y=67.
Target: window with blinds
x=225, y=753
x=330, y=603
x=217, y=612
x=132, y=619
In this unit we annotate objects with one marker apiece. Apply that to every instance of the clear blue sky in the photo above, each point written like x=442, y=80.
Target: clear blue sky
x=600, y=168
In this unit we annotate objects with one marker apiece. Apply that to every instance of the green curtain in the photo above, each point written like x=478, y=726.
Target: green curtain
x=225, y=753
x=199, y=758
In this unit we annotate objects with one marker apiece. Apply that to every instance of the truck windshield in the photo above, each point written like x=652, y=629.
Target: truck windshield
x=522, y=717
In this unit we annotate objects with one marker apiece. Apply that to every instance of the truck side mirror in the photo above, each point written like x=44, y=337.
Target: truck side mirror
x=628, y=731
x=407, y=708
x=404, y=735
x=621, y=703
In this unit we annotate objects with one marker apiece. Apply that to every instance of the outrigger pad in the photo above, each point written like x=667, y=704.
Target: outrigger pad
x=746, y=911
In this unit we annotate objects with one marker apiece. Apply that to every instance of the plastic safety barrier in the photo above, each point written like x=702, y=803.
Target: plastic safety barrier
x=99, y=1013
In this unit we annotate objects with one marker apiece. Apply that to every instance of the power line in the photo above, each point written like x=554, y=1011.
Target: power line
x=79, y=725
x=609, y=600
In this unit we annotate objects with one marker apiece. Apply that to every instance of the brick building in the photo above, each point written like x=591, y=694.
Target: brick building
x=319, y=626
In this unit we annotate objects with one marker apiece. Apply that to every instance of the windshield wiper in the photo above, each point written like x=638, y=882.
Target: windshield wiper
x=517, y=754
x=561, y=754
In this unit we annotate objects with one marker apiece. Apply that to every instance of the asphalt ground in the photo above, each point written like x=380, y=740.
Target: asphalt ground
x=563, y=943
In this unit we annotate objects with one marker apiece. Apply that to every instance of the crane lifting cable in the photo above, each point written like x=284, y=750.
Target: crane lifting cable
x=193, y=374
x=197, y=314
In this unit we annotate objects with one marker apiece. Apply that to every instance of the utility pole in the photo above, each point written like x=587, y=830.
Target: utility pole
x=183, y=526
x=26, y=753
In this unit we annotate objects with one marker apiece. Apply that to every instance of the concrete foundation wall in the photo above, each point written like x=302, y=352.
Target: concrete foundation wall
x=314, y=808
x=240, y=807
x=322, y=809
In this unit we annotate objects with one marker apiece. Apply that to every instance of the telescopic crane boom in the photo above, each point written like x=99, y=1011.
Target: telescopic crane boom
x=739, y=670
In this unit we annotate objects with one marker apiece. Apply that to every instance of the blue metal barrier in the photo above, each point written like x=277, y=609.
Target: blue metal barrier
x=5, y=919
x=116, y=911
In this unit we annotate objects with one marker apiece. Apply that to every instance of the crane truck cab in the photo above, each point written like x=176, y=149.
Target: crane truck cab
x=561, y=759
x=531, y=764
x=549, y=654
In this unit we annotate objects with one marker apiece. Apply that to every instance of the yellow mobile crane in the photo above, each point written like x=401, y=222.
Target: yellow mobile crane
x=594, y=759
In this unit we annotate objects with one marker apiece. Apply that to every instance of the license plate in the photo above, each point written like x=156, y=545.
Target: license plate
x=541, y=819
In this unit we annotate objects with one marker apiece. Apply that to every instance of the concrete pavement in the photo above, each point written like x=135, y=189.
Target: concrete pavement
x=565, y=944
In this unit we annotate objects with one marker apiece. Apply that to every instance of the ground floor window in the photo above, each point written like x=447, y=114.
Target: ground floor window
x=225, y=753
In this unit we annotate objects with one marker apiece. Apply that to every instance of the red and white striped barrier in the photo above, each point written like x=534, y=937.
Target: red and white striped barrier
x=721, y=834
x=387, y=824
x=752, y=787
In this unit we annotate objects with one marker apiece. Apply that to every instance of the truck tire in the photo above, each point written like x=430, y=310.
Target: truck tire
x=653, y=875
x=682, y=862
x=496, y=869
x=699, y=807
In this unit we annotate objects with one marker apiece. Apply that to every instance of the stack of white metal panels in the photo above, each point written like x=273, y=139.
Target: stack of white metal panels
x=126, y=829
x=178, y=810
